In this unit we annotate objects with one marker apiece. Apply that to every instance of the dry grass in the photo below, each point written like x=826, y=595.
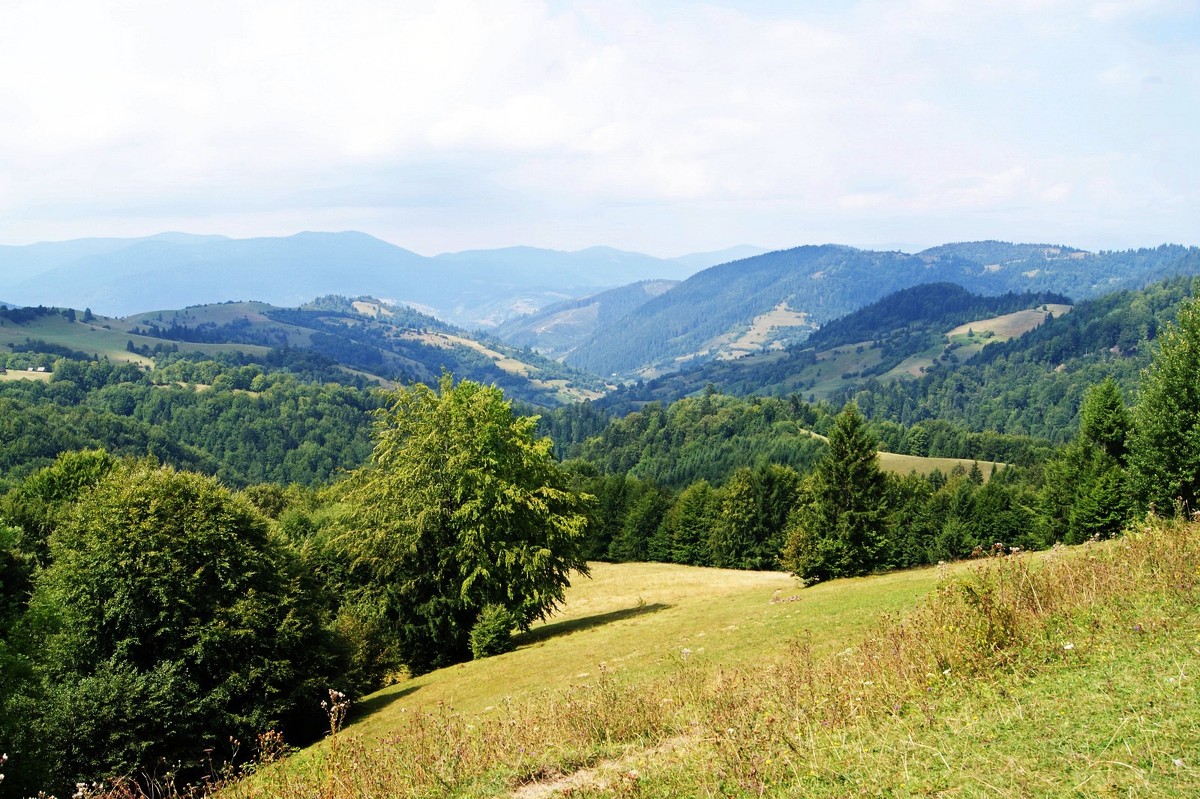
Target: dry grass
x=905, y=464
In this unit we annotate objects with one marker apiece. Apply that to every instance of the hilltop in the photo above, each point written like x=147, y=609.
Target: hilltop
x=391, y=343
x=556, y=329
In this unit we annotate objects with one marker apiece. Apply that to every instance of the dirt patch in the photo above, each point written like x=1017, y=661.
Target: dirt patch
x=601, y=777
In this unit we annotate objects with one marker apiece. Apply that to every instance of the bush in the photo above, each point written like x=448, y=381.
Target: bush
x=492, y=634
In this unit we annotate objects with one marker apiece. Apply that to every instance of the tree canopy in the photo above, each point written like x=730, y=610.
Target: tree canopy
x=461, y=507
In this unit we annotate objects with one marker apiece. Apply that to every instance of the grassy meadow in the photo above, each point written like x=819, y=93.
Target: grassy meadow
x=1068, y=673
x=103, y=338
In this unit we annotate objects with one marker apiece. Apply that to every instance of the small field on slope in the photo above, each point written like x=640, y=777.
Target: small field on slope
x=1069, y=673
x=103, y=338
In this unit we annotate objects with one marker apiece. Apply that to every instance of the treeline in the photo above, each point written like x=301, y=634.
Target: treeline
x=710, y=436
x=743, y=520
x=845, y=516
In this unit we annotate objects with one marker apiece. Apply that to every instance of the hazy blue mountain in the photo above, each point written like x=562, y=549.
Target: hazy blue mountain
x=19, y=262
x=478, y=288
x=557, y=329
x=703, y=260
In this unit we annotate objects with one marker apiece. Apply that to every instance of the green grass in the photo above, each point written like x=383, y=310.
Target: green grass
x=104, y=338
x=637, y=618
x=904, y=464
x=1071, y=673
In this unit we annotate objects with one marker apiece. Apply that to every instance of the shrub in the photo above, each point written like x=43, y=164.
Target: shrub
x=492, y=634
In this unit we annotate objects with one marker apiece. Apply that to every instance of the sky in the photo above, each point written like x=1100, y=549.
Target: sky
x=665, y=128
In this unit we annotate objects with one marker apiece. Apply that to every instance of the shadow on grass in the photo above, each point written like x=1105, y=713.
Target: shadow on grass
x=372, y=704
x=587, y=622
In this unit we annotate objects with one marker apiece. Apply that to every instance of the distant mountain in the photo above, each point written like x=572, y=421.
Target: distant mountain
x=703, y=260
x=474, y=289
x=778, y=297
x=774, y=300
x=18, y=262
x=557, y=329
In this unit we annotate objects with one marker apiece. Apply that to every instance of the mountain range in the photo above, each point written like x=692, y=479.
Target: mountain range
x=621, y=315
x=775, y=300
x=474, y=289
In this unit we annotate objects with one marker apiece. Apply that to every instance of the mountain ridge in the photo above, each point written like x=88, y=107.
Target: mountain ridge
x=476, y=288
x=703, y=317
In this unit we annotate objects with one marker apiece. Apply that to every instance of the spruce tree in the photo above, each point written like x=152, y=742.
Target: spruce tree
x=841, y=527
x=1104, y=419
x=1164, y=451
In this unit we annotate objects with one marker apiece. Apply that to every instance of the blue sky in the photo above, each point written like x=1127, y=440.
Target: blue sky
x=665, y=128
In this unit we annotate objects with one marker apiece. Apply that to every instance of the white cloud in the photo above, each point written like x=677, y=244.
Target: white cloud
x=670, y=128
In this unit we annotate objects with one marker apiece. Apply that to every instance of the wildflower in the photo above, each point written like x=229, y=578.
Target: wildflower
x=1068, y=646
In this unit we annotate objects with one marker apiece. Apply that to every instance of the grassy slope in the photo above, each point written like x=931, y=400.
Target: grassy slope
x=104, y=338
x=636, y=618
x=1065, y=674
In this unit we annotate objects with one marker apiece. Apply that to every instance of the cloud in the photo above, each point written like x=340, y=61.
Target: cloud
x=669, y=127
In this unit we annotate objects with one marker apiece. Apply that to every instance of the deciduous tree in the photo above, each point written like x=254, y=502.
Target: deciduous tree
x=462, y=508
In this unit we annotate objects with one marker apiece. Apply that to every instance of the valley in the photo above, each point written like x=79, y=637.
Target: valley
x=732, y=556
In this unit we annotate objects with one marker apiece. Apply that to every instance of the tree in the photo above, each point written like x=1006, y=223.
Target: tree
x=755, y=505
x=1165, y=448
x=840, y=527
x=690, y=523
x=173, y=620
x=1104, y=419
x=461, y=508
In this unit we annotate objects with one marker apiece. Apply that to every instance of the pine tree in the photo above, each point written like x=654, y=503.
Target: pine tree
x=842, y=527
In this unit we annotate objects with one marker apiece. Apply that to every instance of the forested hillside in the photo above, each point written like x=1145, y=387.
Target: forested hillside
x=701, y=318
x=557, y=329
x=1031, y=384
x=822, y=282
x=281, y=420
x=1034, y=385
x=364, y=335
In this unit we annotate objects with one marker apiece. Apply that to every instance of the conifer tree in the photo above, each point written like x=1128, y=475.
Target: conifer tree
x=841, y=527
x=1165, y=444
x=1104, y=419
